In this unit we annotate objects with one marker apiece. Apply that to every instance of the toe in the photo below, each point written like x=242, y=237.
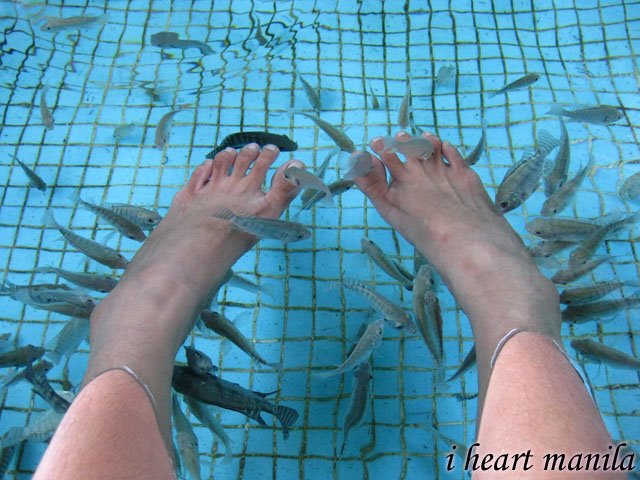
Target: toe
x=453, y=156
x=390, y=159
x=245, y=158
x=261, y=166
x=374, y=184
x=223, y=162
x=200, y=176
x=282, y=192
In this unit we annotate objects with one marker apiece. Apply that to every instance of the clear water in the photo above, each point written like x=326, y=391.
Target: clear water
x=585, y=54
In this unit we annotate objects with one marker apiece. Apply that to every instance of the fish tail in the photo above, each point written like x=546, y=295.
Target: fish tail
x=556, y=110
x=546, y=141
x=49, y=219
x=328, y=198
x=286, y=416
x=224, y=214
x=344, y=443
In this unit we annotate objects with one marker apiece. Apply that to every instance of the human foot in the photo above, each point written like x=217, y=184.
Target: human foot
x=443, y=209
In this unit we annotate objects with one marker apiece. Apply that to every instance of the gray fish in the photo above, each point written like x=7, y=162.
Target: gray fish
x=405, y=105
x=16, y=375
x=45, y=113
x=46, y=293
x=216, y=391
x=446, y=74
x=225, y=327
x=145, y=218
x=336, y=188
x=54, y=24
x=186, y=440
x=474, y=155
x=358, y=402
x=320, y=173
x=392, y=313
x=260, y=38
x=377, y=255
x=92, y=281
x=124, y=130
x=360, y=164
x=599, y=352
x=308, y=181
x=34, y=179
x=558, y=174
x=568, y=229
x=21, y=357
x=375, y=103
x=630, y=188
x=199, y=362
x=43, y=388
x=204, y=413
x=573, y=273
x=559, y=199
x=468, y=362
x=338, y=136
x=426, y=307
x=368, y=342
x=546, y=248
x=172, y=40
x=312, y=93
x=599, y=115
x=598, y=310
x=239, y=281
x=590, y=293
x=125, y=226
x=418, y=260
x=164, y=127
x=266, y=227
x=67, y=341
x=523, y=82
x=522, y=179
x=100, y=253
x=416, y=147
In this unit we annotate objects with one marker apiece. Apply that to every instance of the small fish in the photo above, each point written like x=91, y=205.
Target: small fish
x=523, y=82
x=307, y=180
x=225, y=327
x=590, y=293
x=573, y=273
x=375, y=103
x=558, y=174
x=260, y=38
x=336, y=188
x=16, y=375
x=45, y=113
x=474, y=155
x=461, y=450
x=468, y=362
x=164, y=127
x=446, y=74
x=100, y=253
x=216, y=391
x=559, y=199
x=320, y=173
x=73, y=296
x=34, y=179
x=338, y=136
x=368, y=342
x=186, y=440
x=568, y=229
x=204, y=413
x=590, y=244
x=172, y=40
x=143, y=217
x=426, y=307
x=598, y=310
x=416, y=147
x=124, y=130
x=240, y=139
x=312, y=93
x=63, y=308
x=21, y=357
x=239, y=281
x=599, y=115
x=360, y=164
x=54, y=24
x=67, y=341
x=599, y=352
x=43, y=388
x=522, y=179
x=630, y=188
x=125, y=226
x=92, y=281
x=200, y=363
x=358, y=402
x=392, y=313
x=405, y=105
x=266, y=227
x=377, y=255
x=546, y=248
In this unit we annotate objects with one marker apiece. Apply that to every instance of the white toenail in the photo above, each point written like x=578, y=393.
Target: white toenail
x=376, y=139
x=270, y=147
x=230, y=150
x=252, y=146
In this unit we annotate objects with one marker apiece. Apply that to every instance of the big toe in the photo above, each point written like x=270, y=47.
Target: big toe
x=282, y=192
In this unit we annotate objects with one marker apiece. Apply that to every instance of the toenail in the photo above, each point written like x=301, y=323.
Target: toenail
x=428, y=134
x=230, y=150
x=254, y=147
x=376, y=139
x=271, y=148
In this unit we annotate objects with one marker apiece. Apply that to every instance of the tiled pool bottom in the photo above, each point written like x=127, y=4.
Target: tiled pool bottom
x=101, y=77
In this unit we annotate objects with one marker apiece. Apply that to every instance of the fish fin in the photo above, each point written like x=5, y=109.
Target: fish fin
x=547, y=141
x=224, y=214
x=286, y=415
x=325, y=375
x=258, y=418
x=264, y=394
x=11, y=437
x=327, y=199
x=404, y=272
x=49, y=219
x=556, y=110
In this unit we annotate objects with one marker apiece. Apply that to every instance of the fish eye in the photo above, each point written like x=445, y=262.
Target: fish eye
x=504, y=204
x=537, y=232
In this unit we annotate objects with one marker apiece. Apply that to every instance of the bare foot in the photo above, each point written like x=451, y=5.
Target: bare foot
x=443, y=209
x=145, y=319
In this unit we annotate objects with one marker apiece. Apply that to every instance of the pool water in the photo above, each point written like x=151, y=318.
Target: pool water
x=108, y=74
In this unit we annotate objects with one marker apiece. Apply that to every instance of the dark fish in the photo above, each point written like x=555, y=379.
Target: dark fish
x=34, y=179
x=338, y=136
x=599, y=115
x=358, y=402
x=6, y=457
x=216, y=391
x=590, y=293
x=518, y=84
x=43, y=388
x=21, y=356
x=474, y=155
x=558, y=174
x=143, y=217
x=336, y=188
x=123, y=224
x=200, y=363
x=172, y=40
x=597, y=310
x=18, y=375
x=468, y=362
x=572, y=273
x=240, y=139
